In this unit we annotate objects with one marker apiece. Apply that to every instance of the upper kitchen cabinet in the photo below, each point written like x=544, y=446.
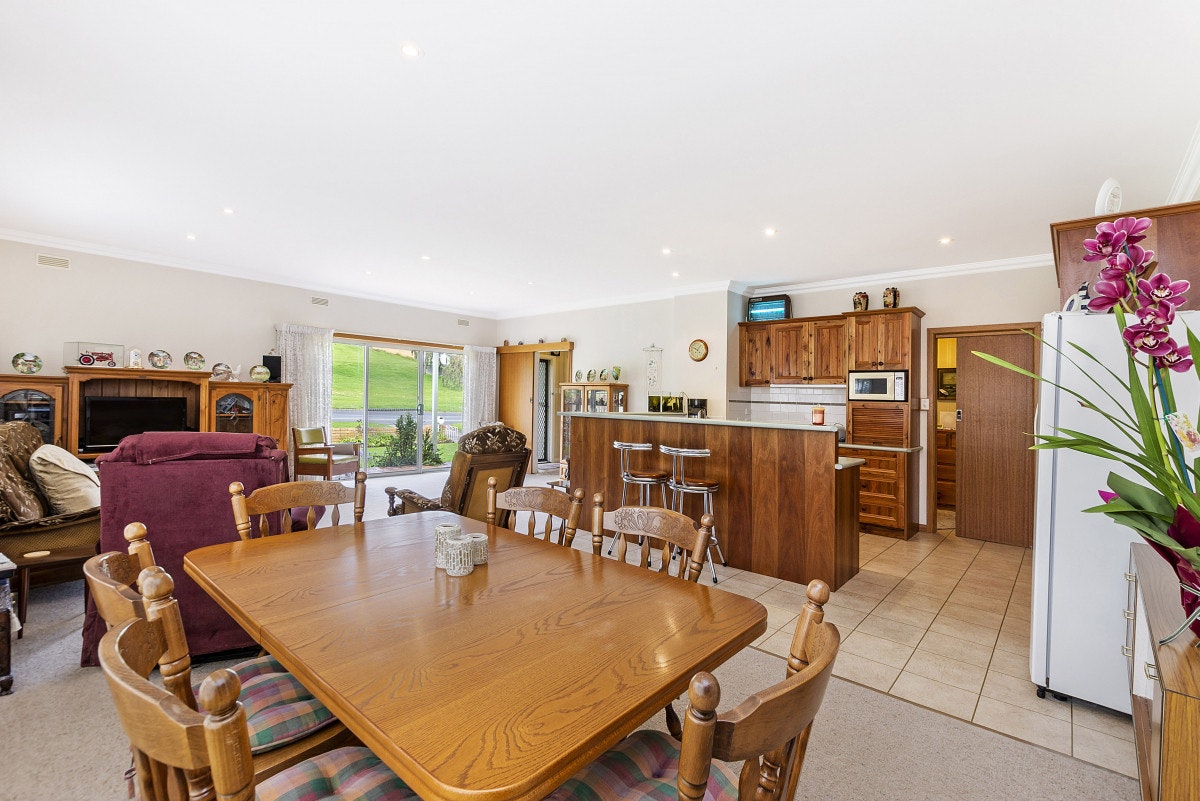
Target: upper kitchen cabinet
x=810, y=351
x=885, y=339
x=755, y=356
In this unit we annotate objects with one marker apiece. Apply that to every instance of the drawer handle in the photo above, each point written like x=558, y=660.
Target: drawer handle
x=1128, y=613
x=1126, y=650
x=1152, y=671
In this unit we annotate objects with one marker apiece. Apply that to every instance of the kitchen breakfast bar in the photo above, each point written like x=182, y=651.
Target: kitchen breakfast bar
x=787, y=506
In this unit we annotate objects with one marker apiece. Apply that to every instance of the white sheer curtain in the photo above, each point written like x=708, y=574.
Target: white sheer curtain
x=307, y=364
x=479, y=386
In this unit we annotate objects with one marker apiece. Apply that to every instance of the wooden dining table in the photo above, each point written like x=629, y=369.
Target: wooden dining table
x=492, y=686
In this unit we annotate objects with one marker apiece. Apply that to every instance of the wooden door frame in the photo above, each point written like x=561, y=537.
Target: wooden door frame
x=931, y=356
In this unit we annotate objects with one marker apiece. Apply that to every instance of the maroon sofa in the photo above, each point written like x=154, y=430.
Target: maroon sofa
x=177, y=484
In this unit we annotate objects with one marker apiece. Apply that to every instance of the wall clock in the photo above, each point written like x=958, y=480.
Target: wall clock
x=698, y=350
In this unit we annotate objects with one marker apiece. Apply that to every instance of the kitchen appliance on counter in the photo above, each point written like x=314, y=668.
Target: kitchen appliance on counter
x=877, y=385
x=1080, y=622
x=697, y=407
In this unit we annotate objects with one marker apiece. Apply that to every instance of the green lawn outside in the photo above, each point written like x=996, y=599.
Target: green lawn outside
x=393, y=380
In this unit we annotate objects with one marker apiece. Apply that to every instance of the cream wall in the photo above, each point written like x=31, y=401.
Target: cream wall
x=232, y=320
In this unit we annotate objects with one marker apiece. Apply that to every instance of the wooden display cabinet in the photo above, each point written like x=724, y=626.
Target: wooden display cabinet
x=593, y=397
x=247, y=407
x=40, y=400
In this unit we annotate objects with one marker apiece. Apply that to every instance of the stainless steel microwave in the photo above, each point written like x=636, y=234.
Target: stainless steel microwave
x=877, y=385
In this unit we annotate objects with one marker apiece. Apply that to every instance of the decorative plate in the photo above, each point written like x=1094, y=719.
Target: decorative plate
x=591, y=375
x=193, y=360
x=578, y=375
x=259, y=373
x=159, y=359
x=604, y=374
x=222, y=372
x=27, y=363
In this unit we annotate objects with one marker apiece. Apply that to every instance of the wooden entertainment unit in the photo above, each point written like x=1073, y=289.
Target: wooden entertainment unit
x=236, y=406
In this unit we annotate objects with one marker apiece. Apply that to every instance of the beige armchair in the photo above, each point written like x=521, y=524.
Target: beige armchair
x=316, y=456
x=493, y=451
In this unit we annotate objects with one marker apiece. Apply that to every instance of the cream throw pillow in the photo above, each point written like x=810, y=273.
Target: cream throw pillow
x=69, y=484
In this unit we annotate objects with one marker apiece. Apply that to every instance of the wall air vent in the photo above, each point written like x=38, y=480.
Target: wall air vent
x=53, y=261
x=464, y=322
x=320, y=301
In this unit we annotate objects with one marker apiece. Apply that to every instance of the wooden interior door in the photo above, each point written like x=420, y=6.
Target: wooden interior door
x=515, y=379
x=995, y=470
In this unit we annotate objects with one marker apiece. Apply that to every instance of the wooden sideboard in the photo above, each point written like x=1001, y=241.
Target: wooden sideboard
x=1164, y=682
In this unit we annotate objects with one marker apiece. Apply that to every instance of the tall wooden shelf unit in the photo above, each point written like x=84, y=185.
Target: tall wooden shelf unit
x=37, y=399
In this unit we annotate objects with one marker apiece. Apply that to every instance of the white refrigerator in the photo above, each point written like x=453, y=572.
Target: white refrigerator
x=1079, y=618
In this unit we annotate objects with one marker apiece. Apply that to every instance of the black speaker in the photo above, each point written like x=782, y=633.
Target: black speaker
x=272, y=363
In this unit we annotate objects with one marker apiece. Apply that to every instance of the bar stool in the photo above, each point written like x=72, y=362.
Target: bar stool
x=681, y=485
x=643, y=480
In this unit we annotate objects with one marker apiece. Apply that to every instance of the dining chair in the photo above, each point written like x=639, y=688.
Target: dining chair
x=670, y=532
x=286, y=723
x=291, y=497
x=768, y=732
x=555, y=513
x=315, y=455
x=180, y=753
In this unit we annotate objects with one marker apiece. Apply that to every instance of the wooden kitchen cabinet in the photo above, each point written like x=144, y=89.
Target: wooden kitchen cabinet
x=883, y=494
x=796, y=351
x=755, y=356
x=946, y=467
x=885, y=339
x=829, y=351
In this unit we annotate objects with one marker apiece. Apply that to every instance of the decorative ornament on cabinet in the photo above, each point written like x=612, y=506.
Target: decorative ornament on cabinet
x=891, y=298
x=861, y=301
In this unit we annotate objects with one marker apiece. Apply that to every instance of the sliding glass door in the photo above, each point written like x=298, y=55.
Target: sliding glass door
x=405, y=402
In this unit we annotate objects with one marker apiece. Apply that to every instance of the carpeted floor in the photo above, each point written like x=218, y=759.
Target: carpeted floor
x=63, y=740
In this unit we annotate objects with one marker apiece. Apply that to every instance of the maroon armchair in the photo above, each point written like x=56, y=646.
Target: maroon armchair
x=177, y=484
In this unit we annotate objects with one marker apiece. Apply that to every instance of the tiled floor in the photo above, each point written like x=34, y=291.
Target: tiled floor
x=938, y=621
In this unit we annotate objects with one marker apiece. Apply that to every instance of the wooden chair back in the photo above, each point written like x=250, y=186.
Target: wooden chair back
x=266, y=501
x=111, y=577
x=469, y=474
x=178, y=753
x=650, y=528
x=553, y=514
x=770, y=729
x=314, y=455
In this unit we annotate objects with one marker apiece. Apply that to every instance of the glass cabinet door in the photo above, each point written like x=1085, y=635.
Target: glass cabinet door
x=234, y=414
x=32, y=406
x=572, y=399
x=597, y=400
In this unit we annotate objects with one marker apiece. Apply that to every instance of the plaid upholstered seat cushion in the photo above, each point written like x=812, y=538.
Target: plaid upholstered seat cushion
x=278, y=708
x=345, y=774
x=642, y=766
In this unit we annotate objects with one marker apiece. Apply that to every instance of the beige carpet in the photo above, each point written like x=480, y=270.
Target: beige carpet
x=63, y=740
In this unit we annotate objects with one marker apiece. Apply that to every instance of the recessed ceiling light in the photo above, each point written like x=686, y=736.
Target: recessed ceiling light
x=409, y=51
x=769, y=232
x=227, y=210
x=530, y=283
x=666, y=251
x=674, y=275
x=191, y=237
x=366, y=272
x=945, y=240
x=424, y=258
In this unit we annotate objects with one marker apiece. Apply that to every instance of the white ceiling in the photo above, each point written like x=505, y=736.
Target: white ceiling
x=542, y=153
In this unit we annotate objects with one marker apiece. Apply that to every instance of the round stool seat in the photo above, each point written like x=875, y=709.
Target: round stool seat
x=694, y=485
x=649, y=475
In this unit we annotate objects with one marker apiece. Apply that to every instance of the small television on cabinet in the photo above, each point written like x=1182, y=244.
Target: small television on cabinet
x=768, y=307
x=108, y=420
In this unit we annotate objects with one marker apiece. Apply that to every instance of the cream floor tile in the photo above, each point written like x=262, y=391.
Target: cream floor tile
x=1104, y=750
x=1016, y=642
x=899, y=570
x=763, y=638
x=780, y=618
x=878, y=579
x=877, y=649
x=935, y=695
x=1019, y=611
x=790, y=586
x=946, y=670
x=963, y=630
x=938, y=591
x=1022, y=692
x=936, y=572
x=985, y=602
x=914, y=599
x=905, y=614
x=861, y=670
x=864, y=588
x=1015, y=721
x=778, y=643
x=1097, y=718
x=963, y=650
x=783, y=599
x=757, y=578
x=739, y=587
x=992, y=589
x=980, y=617
x=844, y=618
x=880, y=626
x=851, y=600
x=1001, y=549
x=1010, y=664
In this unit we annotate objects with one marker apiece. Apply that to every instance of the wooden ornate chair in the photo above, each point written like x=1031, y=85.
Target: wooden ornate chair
x=769, y=731
x=181, y=753
x=671, y=532
x=560, y=513
x=291, y=497
x=286, y=724
x=315, y=455
x=493, y=450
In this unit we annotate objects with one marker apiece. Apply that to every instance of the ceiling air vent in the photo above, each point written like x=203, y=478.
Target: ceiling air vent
x=319, y=301
x=464, y=322
x=53, y=261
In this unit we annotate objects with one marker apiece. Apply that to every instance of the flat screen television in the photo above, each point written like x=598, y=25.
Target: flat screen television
x=106, y=421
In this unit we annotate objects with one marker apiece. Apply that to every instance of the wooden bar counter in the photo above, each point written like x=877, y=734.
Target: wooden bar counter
x=786, y=507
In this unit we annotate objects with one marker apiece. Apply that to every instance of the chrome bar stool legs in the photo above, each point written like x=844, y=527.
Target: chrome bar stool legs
x=642, y=480
x=681, y=485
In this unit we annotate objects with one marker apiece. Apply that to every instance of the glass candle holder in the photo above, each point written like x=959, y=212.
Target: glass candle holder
x=818, y=415
x=458, y=555
x=479, y=549
x=441, y=533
